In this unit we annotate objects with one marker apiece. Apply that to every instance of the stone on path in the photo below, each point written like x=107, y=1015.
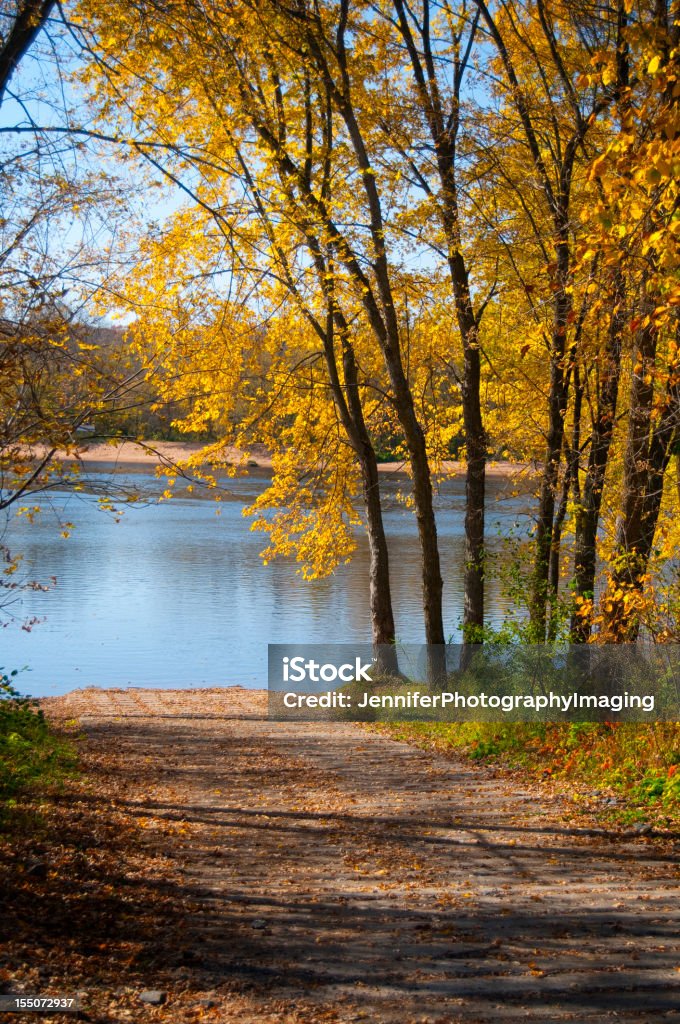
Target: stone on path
x=152, y=996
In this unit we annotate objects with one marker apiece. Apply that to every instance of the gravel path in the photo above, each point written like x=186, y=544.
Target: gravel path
x=339, y=875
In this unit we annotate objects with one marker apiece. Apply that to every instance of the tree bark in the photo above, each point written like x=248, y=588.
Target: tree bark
x=588, y=511
x=557, y=410
x=570, y=483
x=475, y=474
x=648, y=452
x=30, y=17
x=348, y=402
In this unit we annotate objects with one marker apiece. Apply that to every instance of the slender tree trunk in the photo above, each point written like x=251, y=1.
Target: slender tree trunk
x=570, y=483
x=432, y=582
x=443, y=126
x=424, y=506
x=590, y=504
x=382, y=617
x=425, y=516
x=588, y=511
x=556, y=188
x=380, y=595
x=385, y=324
x=350, y=410
x=631, y=526
x=476, y=446
x=557, y=410
x=475, y=487
x=351, y=413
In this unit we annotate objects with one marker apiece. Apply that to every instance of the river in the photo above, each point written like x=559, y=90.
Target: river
x=174, y=595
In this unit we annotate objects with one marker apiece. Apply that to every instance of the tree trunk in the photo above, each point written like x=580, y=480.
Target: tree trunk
x=427, y=530
x=380, y=595
x=589, y=506
x=443, y=127
x=648, y=453
x=570, y=483
x=425, y=518
x=476, y=444
x=382, y=619
x=588, y=512
x=24, y=25
x=557, y=409
x=351, y=413
x=385, y=324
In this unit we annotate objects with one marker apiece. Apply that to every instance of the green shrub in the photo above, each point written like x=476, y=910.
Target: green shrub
x=32, y=755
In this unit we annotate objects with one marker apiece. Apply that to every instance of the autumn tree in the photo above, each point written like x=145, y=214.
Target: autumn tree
x=543, y=53
x=256, y=105
x=285, y=374
x=326, y=39
x=638, y=219
x=438, y=41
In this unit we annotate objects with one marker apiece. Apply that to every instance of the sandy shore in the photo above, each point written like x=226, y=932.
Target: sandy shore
x=151, y=453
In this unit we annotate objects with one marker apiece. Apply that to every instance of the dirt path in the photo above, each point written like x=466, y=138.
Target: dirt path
x=321, y=872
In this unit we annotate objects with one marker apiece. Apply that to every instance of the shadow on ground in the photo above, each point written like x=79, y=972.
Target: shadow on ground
x=336, y=876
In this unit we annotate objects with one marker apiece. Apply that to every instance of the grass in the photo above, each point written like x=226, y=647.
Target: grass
x=638, y=764
x=33, y=758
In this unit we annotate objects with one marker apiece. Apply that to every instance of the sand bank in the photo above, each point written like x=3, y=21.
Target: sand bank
x=150, y=453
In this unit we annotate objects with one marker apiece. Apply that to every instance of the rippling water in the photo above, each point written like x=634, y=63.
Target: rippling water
x=174, y=595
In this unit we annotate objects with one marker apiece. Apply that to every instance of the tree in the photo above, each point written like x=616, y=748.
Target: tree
x=542, y=51
x=431, y=50
x=256, y=110
x=639, y=175
x=291, y=382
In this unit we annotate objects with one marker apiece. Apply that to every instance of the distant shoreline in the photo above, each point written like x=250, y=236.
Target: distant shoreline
x=129, y=453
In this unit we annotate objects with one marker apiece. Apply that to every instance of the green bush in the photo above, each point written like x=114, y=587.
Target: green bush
x=32, y=756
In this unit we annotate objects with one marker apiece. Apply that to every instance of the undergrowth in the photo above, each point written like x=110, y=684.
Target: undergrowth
x=33, y=758
x=639, y=764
